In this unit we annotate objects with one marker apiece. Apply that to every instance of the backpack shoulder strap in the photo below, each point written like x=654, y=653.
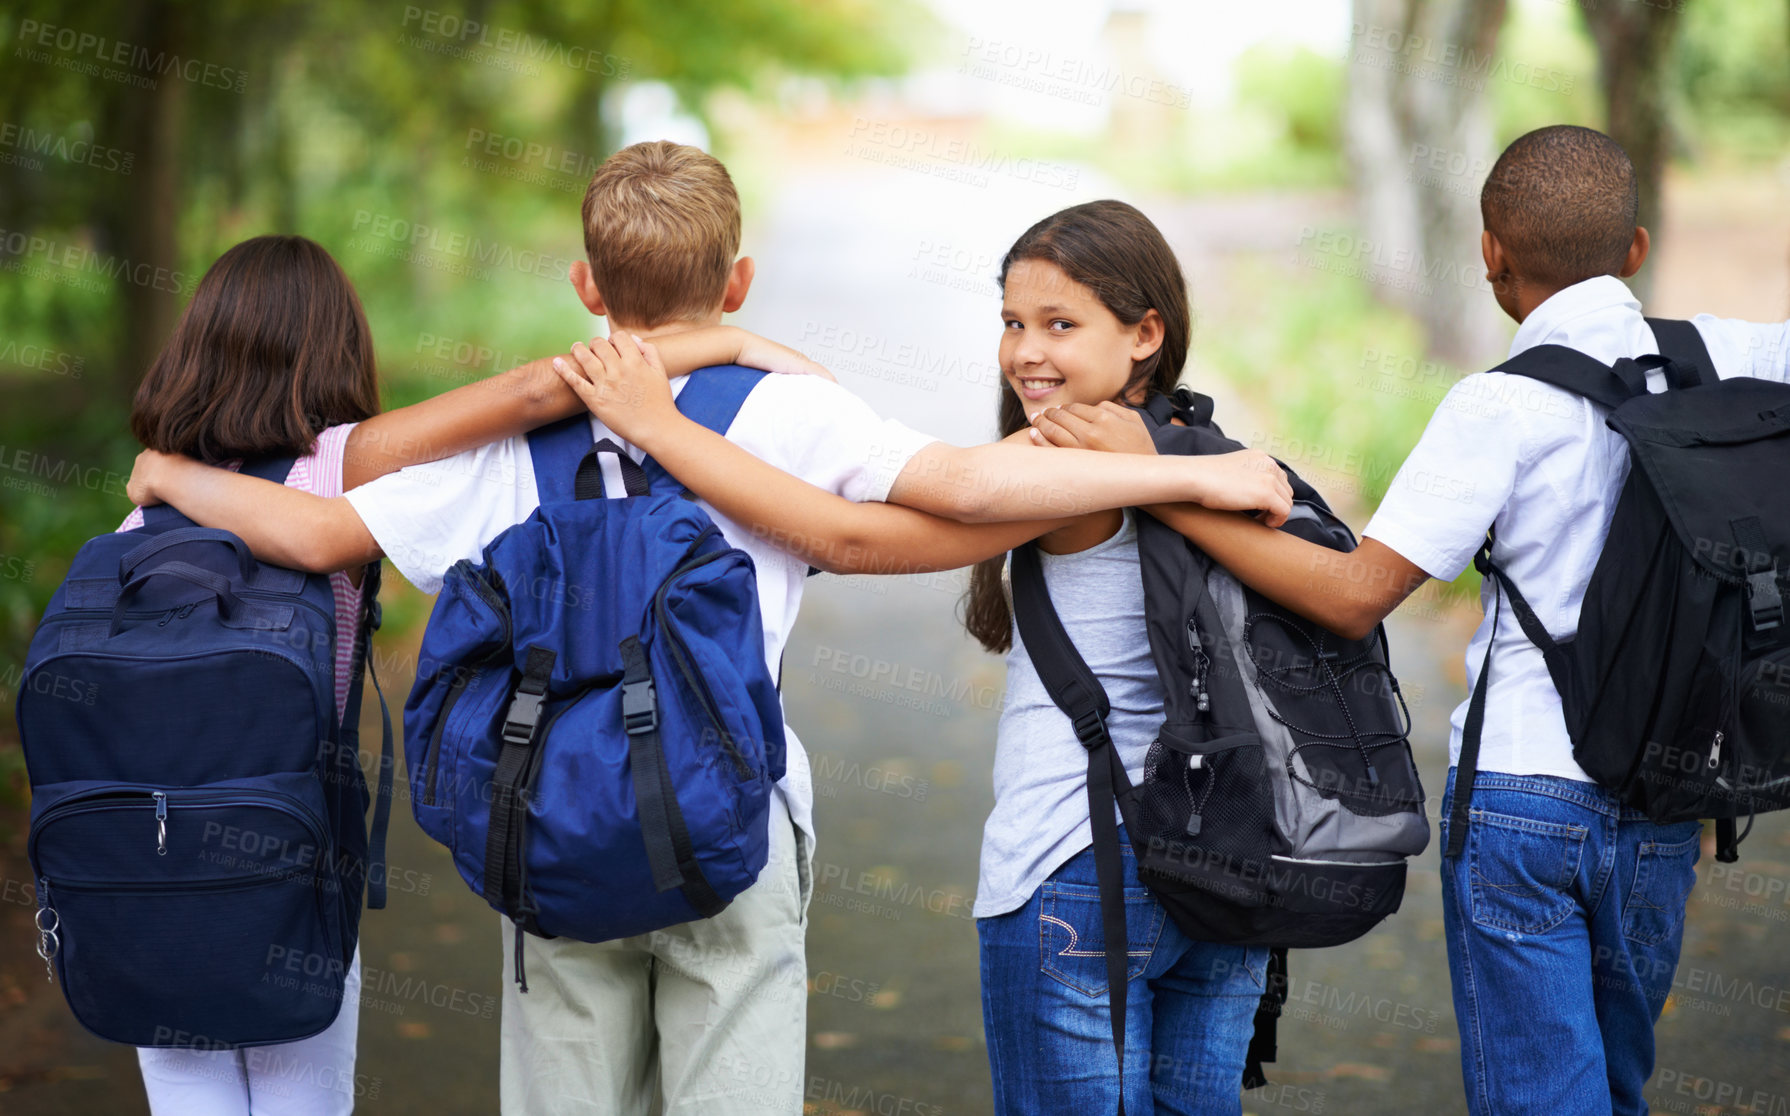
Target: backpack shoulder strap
x=1079, y=694
x=712, y=398
x=714, y=394
x=556, y=450
x=1192, y=408
x=371, y=617
x=1571, y=370
x=1467, y=765
x=1682, y=343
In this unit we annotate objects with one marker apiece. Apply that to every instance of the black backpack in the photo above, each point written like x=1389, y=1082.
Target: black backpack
x=1676, y=687
x=1280, y=800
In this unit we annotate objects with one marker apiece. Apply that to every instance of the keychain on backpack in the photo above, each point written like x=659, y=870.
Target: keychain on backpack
x=48, y=942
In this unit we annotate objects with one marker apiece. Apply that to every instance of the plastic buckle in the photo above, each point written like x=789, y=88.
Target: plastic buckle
x=640, y=707
x=1090, y=729
x=1768, y=603
x=525, y=713
x=375, y=616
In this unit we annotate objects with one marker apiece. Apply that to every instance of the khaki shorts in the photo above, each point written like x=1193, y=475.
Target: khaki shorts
x=704, y=1017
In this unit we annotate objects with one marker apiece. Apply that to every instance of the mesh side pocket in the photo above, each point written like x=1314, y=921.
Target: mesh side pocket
x=1205, y=808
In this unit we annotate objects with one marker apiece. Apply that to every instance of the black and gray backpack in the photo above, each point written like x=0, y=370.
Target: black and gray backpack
x=1676, y=686
x=1279, y=801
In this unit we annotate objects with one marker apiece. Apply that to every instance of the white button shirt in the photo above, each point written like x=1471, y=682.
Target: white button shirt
x=1537, y=464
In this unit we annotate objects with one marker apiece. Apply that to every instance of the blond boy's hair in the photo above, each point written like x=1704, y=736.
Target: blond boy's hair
x=661, y=230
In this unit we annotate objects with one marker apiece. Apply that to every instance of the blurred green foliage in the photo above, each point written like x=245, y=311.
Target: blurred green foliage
x=438, y=151
x=1341, y=380
x=1732, y=70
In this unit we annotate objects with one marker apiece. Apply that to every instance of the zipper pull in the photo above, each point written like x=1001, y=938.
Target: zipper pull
x=1715, y=750
x=161, y=823
x=1196, y=687
x=48, y=942
x=166, y=616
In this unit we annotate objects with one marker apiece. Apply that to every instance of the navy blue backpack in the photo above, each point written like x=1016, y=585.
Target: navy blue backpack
x=198, y=814
x=594, y=731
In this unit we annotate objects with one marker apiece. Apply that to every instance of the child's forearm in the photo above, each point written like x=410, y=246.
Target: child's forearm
x=1008, y=480
x=825, y=530
x=467, y=417
x=525, y=397
x=283, y=526
x=1348, y=593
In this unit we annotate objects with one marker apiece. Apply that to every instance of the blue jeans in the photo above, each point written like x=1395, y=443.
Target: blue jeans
x=1189, y=1014
x=1564, y=914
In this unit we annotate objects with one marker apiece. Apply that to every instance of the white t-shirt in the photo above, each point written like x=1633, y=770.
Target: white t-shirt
x=428, y=517
x=1539, y=464
x=1040, y=818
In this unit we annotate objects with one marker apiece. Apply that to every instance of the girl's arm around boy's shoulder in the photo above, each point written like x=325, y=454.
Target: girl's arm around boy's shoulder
x=494, y=408
x=528, y=396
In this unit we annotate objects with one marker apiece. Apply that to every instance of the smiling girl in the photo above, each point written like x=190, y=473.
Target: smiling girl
x=1094, y=314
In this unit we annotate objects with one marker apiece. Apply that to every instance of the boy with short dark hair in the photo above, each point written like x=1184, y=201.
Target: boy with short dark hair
x=1564, y=913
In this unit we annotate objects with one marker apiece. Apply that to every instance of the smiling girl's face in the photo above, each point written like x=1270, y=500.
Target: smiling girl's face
x=1061, y=345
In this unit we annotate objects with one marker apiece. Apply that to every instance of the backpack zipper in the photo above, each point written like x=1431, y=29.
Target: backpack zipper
x=130, y=798
x=680, y=654
x=487, y=593
x=433, y=767
x=181, y=612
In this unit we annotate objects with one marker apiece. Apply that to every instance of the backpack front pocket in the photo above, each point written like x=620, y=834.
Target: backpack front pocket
x=198, y=917
x=1205, y=812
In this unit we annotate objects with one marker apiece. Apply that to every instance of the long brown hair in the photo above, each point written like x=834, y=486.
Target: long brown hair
x=1115, y=251
x=273, y=349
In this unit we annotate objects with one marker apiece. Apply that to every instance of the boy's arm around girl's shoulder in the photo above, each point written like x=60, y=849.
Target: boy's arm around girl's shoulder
x=302, y=530
x=285, y=526
x=1346, y=593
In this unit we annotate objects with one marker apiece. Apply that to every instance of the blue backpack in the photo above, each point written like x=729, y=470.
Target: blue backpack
x=594, y=732
x=198, y=814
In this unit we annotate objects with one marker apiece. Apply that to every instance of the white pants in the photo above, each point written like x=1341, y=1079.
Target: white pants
x=708, y=1018
x=311, y=1077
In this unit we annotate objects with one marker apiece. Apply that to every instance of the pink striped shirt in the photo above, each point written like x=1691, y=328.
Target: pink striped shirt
x=320, y=473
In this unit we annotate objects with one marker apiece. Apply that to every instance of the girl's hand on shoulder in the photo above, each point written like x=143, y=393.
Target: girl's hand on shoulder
x=624, y=384
x=1109, y=427
x=1246, y=480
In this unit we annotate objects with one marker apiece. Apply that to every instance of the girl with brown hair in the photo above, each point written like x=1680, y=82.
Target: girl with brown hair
x=1094, y=318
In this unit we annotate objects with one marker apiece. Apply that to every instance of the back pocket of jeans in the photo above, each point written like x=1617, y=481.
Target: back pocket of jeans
x=1072, y=938
x=1522, y=871
x=1665, y=872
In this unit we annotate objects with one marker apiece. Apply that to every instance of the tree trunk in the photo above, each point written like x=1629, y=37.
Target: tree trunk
x=139, y=225
x=1633, y=45
x=1419, y=138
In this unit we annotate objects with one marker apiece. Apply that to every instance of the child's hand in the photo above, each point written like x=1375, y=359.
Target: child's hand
x=762, y=353
x=622, y=384
x=146, y=474
x=1108, y=427
x=1246, y=480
